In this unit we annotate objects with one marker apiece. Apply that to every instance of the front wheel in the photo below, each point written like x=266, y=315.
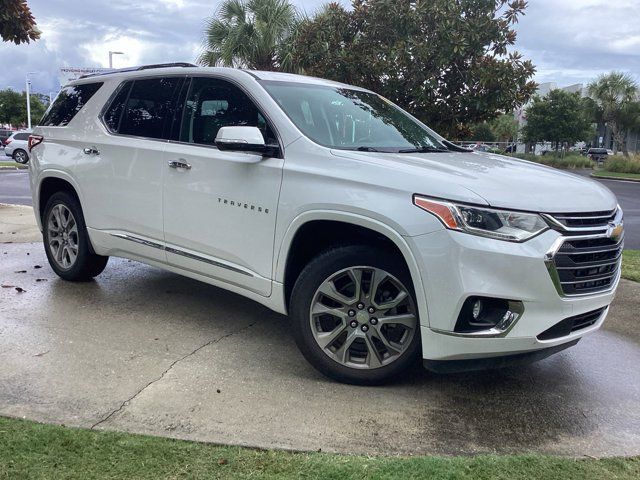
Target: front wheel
x=20, y=156
x=66, y=241
x=354, y=315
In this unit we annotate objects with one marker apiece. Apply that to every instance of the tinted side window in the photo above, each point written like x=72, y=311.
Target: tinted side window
x=212, y=104
x=114, y=113
x=68, y=102
x=150, y=106
x=21, y=136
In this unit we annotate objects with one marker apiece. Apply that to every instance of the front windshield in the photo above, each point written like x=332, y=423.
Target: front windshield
x=350, y=119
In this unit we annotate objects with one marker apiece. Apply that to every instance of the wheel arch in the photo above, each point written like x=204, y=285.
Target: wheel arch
x=50, y=182
x=362, y=227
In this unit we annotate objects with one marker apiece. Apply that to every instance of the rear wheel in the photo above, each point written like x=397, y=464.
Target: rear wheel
x=20, y=156
x=66, y=241
x=354, y=315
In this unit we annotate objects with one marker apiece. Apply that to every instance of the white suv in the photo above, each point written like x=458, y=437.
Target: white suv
x=381, y=240
x=16, y=146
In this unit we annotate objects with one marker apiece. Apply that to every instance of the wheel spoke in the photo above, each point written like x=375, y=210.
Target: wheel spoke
x=373, y=357
x=343, y=352
x=407, y=319
x=377, y=333
x=377, y=277
x=356, y=278
x=395, y=302
x=329, y=290
x=320, y=309
x=326, y=339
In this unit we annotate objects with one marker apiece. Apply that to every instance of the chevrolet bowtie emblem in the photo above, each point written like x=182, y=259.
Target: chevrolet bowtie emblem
x=615, y=230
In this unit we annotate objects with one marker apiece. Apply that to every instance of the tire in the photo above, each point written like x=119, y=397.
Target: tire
x=65, y=236
x=367, y=359
x=20, y=156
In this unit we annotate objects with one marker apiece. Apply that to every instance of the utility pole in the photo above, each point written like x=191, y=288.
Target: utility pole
x=111, y=54
x=28, y=82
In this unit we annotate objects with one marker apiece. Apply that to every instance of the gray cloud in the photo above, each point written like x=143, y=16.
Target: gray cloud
x=569, y=41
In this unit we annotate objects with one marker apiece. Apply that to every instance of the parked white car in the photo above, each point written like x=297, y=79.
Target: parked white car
x=381, y=240
x=16, y=146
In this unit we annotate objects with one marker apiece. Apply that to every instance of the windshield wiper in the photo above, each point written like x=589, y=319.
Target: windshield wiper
x=423, y=150
x=367, y=149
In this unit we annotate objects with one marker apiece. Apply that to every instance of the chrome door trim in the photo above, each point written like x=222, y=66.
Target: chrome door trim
x=182, y=253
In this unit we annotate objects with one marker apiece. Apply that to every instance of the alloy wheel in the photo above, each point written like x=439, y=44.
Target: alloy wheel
x=363, y=317
x=62, y=231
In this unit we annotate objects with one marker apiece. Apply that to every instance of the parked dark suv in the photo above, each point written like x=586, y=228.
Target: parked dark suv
x=597, y=154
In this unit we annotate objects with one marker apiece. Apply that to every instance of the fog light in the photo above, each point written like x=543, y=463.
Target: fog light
x=485, y=313
x=477, y=309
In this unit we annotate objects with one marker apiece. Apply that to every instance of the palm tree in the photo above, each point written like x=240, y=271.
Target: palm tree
x=248, y=34
x=613, y=93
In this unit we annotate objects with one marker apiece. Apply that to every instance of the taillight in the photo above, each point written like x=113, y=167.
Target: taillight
x=34, y=140
x=7, y=141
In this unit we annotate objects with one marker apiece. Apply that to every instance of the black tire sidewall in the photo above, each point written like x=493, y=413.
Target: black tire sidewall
x=84, y=267
x=316, y=272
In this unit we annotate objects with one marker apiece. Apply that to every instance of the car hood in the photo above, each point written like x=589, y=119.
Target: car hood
x=503, y=182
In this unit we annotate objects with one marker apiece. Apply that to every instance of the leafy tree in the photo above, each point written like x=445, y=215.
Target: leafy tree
x=505, y=128
x=249, y=34
x=13, y=107
x=446, y=62
x=613, y=94
x=558, y=117
x=482, y=132
x=17, y=24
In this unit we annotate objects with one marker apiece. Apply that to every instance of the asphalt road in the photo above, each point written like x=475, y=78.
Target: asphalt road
x=14, y=188
x=144, y=350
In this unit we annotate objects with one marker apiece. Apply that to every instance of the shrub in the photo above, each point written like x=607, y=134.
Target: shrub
x=569, y=161
x=623, y=165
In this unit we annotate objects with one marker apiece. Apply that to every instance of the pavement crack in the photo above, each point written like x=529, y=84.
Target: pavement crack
x=173, y=364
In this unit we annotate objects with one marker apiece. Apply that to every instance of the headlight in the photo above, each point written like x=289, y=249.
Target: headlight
x=486, y=222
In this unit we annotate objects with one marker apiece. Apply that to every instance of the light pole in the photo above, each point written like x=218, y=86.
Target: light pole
x=111, y=54
x=28, y=82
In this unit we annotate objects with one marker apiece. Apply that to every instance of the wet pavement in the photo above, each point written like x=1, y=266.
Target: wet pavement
x=148, y=351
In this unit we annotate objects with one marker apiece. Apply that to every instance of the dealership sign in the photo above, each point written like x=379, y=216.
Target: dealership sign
x=68, y=74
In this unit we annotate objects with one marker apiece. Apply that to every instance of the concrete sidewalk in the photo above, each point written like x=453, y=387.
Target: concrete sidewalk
x=18, y=224
x=147, y=351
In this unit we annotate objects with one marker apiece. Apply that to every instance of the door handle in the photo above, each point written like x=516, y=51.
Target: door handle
x=91, y=151
x=179, y=164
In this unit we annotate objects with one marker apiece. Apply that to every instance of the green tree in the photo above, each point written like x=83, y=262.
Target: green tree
x=448, y=63
x=558, y=117
x=249, y=34
x=505, y=128
x=13, y=107
x=17, y=24
x=482, y=132
x=614, y=93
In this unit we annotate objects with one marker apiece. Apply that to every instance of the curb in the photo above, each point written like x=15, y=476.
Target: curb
x=4, y=167
x=637, y=180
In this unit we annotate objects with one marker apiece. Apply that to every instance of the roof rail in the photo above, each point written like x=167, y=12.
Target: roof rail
x=141, y=67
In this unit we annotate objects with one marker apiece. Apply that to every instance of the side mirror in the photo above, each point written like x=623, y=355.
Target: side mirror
x=244, y=139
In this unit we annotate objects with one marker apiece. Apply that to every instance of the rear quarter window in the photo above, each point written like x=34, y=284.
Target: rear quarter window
x=21, y=136
x=68, y=103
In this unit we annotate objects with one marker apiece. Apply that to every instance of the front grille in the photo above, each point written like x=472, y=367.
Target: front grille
x=572, y=324
x=591, y=219
x=588, y=259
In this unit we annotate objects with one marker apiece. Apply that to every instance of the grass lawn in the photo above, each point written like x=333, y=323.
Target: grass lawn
x=31, y=450
x=605, y=173
x=631, y=265
x=11, y=163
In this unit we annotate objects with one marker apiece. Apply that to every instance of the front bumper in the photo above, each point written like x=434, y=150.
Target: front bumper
x=454, y=266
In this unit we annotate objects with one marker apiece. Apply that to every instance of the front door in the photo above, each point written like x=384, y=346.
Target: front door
x=220, y=212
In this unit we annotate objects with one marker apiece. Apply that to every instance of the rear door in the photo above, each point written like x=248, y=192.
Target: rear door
x=220, y=212
x=122, y=170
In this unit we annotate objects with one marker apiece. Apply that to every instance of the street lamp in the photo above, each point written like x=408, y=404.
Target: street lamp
x=111, y=54
x=28, y=82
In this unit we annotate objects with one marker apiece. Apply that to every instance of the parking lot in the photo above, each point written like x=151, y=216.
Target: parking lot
x=144, y=350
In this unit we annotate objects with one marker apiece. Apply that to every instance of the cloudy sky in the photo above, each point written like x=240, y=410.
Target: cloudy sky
x=569, y=41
